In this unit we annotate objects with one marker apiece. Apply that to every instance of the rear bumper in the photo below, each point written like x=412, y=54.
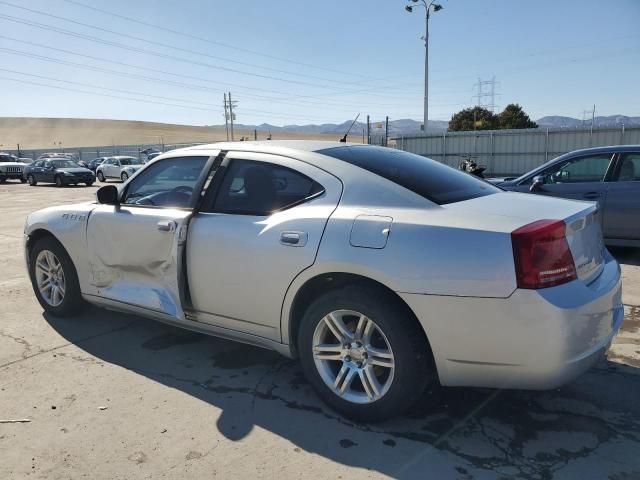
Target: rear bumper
x=535, y=339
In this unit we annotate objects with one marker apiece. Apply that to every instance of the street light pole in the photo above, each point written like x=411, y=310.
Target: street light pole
x=426, y=70
x=427, y=6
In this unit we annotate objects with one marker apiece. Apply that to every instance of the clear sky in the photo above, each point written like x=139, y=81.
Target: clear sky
x=300, y=62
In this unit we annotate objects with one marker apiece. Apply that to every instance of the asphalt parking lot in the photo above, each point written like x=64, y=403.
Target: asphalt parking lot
x=112, y=396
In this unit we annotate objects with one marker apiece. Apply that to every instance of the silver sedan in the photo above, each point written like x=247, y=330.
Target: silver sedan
x=382, y=271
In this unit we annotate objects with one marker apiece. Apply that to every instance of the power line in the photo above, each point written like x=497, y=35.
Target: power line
x=153, y=53
x=174, y=58
x=164, y=28
x=163, y=45
x=302, y=117
x=283, y=100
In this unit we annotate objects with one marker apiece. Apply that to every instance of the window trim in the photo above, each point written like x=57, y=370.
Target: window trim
x=198, y=186
x=209, y=203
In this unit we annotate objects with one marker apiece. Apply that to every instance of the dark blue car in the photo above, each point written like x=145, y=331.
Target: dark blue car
x=607, y=175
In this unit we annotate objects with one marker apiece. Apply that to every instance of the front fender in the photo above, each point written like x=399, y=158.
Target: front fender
x=68, y=225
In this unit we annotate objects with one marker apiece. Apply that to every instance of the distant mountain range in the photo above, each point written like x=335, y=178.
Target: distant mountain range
x=603, y=121
x=408, y=126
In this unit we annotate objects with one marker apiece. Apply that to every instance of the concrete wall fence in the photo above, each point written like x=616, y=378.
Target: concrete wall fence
x=513, y=152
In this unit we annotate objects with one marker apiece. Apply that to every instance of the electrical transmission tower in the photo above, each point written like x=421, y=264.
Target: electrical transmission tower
x=486, y=93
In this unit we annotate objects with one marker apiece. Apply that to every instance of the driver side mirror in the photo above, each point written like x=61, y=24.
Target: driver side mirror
x=108, y=195
x=536, y=185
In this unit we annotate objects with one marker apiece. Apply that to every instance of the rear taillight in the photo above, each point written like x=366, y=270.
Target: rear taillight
x=541, y=254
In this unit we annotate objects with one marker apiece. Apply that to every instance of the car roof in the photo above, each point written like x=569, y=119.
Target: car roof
x=268, y=145
x=606, y=149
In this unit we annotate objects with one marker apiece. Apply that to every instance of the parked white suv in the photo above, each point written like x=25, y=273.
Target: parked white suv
x=119, y=167
x=10, y=168
x=383, y=271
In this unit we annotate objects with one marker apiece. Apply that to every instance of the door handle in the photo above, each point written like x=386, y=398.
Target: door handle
x=293, y=239
x=167, y=226
x=592, y=195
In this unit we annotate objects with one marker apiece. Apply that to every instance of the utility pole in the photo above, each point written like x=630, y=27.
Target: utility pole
x=386, y=131
x=231, y=115
x=226, y=117
x=368, y=131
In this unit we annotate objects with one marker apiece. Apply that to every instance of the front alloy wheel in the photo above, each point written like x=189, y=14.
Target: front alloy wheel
x=100, y=176
x=124, y=176
x=54, y=278
x=353, y=356
x=50, y=278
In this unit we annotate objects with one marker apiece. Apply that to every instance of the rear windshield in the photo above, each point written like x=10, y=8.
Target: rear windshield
x=432, y=180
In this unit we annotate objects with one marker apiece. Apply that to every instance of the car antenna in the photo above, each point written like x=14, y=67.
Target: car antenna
x=344, y=139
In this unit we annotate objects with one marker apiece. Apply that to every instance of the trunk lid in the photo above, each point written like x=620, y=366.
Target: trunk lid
x=509, y=211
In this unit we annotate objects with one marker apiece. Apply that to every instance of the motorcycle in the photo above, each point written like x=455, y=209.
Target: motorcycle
x=469, y=166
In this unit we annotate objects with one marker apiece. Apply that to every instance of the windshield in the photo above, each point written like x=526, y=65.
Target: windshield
x=64, y=163
x=7, y=158
x=129, y=161
x=437, y=182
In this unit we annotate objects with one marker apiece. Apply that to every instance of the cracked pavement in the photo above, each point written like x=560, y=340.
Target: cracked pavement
x=113, y=396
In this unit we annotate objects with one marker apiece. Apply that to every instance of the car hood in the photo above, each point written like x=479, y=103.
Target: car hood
x=73, y=170
x=11, y=164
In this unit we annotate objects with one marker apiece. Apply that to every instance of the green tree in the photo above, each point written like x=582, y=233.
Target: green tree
x=476, y=118
x=514, y=117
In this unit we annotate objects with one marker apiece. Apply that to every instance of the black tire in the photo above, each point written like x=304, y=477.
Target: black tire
x=414, y=367
x=23, y=180
x=124, y=177
x=72, y=302
x=58, y=180
x=88, y=184
x=100, y=176
x=3, y=179
x=31, y=180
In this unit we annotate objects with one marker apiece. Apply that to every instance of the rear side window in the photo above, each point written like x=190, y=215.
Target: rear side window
x=432, y=180
x=261, y=188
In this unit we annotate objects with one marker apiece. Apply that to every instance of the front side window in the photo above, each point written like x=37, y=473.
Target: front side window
x=630, y=168
x=169, y=183
x=260, y=188
x=584, y=169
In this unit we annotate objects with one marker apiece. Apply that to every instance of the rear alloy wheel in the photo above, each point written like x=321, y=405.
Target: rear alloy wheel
x=100, y=176
x=364, y=353
x=58, y=181
x=31, y=180
x=124, y=176
x=54, y=278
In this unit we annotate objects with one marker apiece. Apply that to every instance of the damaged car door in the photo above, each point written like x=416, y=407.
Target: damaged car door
x=135, y=247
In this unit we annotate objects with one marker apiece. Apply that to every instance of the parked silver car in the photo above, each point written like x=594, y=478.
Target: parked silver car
x=119, y=167
x=383, y=271
x=607, y=175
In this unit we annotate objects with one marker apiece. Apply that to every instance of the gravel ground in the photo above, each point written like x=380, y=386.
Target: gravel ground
x=113, y=396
